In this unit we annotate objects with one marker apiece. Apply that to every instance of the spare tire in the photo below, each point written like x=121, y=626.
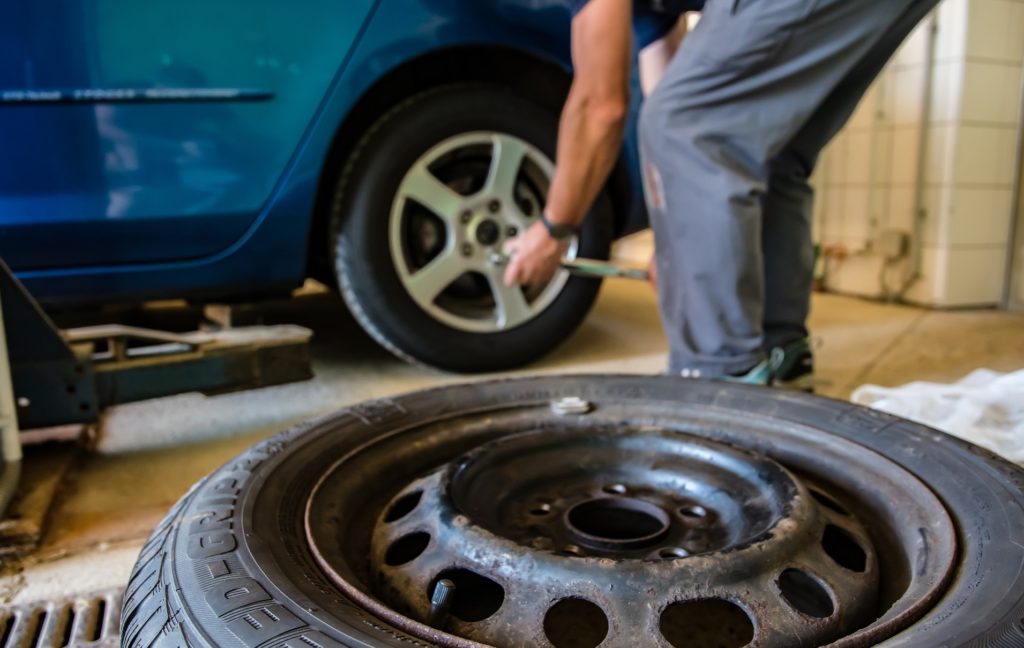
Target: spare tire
x=577, y=511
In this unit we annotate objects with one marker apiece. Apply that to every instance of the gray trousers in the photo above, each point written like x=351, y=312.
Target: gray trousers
x=729, y=140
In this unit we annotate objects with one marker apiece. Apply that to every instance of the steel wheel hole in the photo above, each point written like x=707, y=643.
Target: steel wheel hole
x=829, y=503
x=711, y=623
x=616, y=522
x=615, y=489
x=844, y=549
x=805, y=594
x=575, y=623
x=571, y=550
x=671, y=553
x=694, y=512
x=403, y=506
x=476, y=597
x=407, y=548
x=541, y=510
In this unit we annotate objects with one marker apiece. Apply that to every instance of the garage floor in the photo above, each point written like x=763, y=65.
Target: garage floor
x=148, y=454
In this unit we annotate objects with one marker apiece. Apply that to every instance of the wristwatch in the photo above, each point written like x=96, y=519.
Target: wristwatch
x=559, y=232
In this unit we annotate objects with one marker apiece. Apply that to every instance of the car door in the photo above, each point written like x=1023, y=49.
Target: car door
x=139, y=132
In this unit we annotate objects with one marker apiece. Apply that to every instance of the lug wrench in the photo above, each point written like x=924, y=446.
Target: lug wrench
x=591, y=268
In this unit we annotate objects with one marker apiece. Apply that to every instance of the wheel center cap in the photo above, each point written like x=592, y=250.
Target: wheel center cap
x=487, y=232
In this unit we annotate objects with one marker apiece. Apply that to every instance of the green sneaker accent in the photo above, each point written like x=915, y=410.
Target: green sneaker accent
x=763, y=372
x=795, y=369
x=789, y=367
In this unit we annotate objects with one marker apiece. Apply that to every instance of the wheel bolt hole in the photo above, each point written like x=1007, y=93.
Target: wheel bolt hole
x=407, y=548
x=844, y=549
x=476, y=597
x=672, y=553
x=805, y=594
x=694, y=512
x=541, y=510
x=712, y=623
x=615, y=489
x=575, y=623
x=571, y=550
x=403, y=506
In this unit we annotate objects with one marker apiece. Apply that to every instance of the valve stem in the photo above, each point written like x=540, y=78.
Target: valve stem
x=440, y=603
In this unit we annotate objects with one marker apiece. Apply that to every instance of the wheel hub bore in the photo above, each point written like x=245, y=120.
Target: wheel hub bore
x=603, y=527
x=487, y=232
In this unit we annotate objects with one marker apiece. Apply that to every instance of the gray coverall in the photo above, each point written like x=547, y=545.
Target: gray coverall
x=729, y=140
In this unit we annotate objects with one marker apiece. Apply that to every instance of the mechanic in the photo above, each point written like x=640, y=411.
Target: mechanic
x=729, y=139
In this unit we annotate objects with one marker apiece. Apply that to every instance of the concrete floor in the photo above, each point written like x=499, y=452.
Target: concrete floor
x=148, y=454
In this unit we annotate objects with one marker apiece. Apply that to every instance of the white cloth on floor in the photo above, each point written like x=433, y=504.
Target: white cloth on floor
x=985, y=408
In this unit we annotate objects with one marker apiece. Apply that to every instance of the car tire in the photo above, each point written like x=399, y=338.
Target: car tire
x=231, y=565
x=369, y=264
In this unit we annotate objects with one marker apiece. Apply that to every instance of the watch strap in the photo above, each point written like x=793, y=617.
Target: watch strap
x=559, y=232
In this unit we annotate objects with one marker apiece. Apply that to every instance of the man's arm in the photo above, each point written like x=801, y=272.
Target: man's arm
x=590, y=133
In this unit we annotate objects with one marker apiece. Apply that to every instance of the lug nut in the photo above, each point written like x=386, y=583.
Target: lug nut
x=467, y=216
x=513, y=232
x=467, y=250
x=494, y=206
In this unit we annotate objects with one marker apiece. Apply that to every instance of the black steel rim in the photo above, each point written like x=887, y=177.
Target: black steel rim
x=585, y=524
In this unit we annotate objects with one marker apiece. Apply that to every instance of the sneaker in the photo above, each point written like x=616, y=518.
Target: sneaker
x=789, y=367
x=794, y=366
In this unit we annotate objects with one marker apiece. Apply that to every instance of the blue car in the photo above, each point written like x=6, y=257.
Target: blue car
x=219, y=151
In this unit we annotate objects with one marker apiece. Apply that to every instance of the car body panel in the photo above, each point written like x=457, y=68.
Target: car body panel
x=158, y=180
x=221, y=197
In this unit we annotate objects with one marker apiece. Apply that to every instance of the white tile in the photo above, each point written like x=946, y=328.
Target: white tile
x=914, y=50
x=947, y=81
x=976, y=276
x=951, y=37
x=930, y=288
x=856, y=224
x=832, y=214
x=856, y=275
x=937, y=207
x=941, y=153
x=986, y=155
x=980, y=216
x=991, y=93
x=905, y=154
x=994, y=30
x=900, y=212
x=835, y=171
x=858, y=157
x=908, y=95
x=881, y=156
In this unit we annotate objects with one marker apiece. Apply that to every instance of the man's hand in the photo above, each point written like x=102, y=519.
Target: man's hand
x=535, y=257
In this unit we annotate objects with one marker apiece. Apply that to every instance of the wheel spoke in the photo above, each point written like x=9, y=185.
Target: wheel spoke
x=512, y=307
x=422, y=186
x=428, y=282
x=506, y=159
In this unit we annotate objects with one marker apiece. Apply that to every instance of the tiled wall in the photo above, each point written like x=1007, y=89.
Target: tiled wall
x=867, y=178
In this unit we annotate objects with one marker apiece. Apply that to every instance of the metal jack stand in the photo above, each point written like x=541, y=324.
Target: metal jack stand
x=68, y=377
x=10, y=444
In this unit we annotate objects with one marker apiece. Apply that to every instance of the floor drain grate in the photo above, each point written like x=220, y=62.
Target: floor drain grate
x=88, y=620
